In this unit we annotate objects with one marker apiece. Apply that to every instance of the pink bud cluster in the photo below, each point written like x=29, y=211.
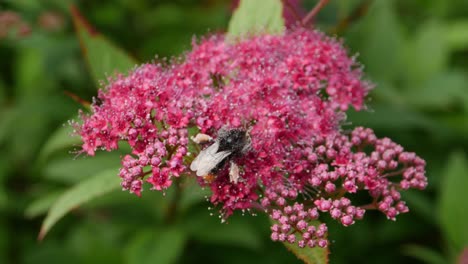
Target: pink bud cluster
x=294, y=223
x=340, y=209
x=340, y=166
x=132, y=168
x=291, y=93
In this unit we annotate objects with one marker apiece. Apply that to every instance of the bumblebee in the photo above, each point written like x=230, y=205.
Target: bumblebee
x=229, y=145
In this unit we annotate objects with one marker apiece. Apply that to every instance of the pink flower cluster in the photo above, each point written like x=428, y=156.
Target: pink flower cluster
x=341, y=165
x=290, y=93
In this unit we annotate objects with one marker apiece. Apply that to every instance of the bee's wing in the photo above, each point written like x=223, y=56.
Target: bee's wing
x=208, y=159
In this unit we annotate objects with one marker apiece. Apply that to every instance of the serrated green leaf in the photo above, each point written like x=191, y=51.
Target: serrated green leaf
x=453, y=206
x=253, y=17
x=426, y=255
x=156, y=246
x=103, y=183
x=103, y=57
x=309, y=255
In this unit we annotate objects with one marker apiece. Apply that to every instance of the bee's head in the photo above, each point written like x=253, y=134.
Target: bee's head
x=235, y=140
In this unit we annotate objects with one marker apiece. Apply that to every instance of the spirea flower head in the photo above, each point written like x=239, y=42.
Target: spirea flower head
x=290, y=92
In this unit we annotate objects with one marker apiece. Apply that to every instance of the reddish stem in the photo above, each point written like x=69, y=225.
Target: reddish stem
x=357, y=13
x=293, y=11
x=393, y=173
x=371, y=206
x=307, y=19
x=258, y=207
x=78, y=99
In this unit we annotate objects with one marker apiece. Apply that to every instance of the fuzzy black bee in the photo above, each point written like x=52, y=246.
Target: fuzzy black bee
x=230, y=144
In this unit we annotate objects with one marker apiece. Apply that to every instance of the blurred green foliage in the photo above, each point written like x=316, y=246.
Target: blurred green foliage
x=416, y=52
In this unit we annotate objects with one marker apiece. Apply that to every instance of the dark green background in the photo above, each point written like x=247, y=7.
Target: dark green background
x=416, y=52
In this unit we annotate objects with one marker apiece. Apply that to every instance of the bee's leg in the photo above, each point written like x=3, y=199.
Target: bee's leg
x=201, y=138
x=209, y=178
x=233, y=172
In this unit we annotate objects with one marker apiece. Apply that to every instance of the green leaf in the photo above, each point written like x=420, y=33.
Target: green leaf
x=62, y=138
x=386, y=116
x=103, y=57
x=309, y=255
x=69, y=170
x=453, y=206
x=427, y=55
x=239, y=231
x=8, y=117
x=420, y=204
x=103, y=183
x=25, y=5
x=441, y=91
x=151, y=246
x=6, y=170
x=456, y=34
x=380, y=50
x=41, y=205
x=192, y=194
x=458, y=122
x=253, y=17
x=426, y=255
x=30, y=73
